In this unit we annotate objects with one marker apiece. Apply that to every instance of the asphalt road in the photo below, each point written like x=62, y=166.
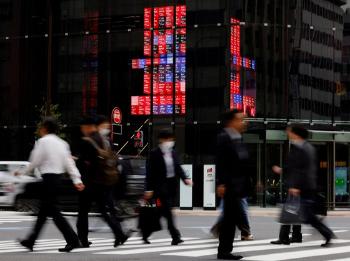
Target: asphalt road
x=199, y=244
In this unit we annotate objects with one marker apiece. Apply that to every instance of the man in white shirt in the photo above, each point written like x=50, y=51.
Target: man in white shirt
x=51, y=155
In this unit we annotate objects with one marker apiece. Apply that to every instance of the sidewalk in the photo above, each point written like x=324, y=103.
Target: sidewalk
x=255, y=211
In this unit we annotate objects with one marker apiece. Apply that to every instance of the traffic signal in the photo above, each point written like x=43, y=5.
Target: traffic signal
x=138, y=139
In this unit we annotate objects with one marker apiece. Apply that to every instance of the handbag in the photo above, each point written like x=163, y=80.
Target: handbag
x=149, y=219
x=292, y=211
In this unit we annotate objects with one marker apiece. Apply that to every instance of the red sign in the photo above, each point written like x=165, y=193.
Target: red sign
x=117, y=115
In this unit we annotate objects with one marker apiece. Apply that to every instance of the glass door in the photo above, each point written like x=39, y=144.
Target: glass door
x=341, y=174
x=324, y=152
x=275, y=191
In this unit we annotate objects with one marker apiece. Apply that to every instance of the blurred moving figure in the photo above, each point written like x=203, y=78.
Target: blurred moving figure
x=99, y=172
x=301, y=179
x=52, y=157
x=163, y=169
x=244, y=225
x=233, y=180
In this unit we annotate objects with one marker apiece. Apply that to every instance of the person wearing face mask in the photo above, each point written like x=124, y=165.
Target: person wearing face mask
x=162, y=170
x=99, y=183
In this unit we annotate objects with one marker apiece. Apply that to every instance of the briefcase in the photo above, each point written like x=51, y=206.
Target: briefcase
x=149, y=219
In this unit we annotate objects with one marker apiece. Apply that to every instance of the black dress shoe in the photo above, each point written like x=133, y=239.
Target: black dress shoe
x=295, y=240
x=176, y=241
x=69, y=247
x=27, y=244
x=86, y=244
x=146, y=241
x=327, y=243
x=121, y=241
x=280, y=242
x=229, y=257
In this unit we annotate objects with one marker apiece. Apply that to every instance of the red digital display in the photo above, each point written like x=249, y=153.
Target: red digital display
x=165, y=51
x=90, y=56
x=242, y=89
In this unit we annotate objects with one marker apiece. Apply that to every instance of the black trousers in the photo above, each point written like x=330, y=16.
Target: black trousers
x=166, y=211
x=311, y=218
x=285, y=231
x=48, y=208
x=101, y=195
x=309, y=212
x=232, y=217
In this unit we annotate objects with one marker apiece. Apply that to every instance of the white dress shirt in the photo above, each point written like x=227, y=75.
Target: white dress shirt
x=51, y=155
x=169, y=163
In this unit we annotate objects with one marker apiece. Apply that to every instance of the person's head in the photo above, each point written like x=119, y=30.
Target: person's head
x=88, y=125
x=234, y=119
x=297, y=133
x=166, y=139
x=48, y=126
x=103, y=125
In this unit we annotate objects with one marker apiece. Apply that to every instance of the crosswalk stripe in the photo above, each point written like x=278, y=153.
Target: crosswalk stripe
x=301, y=254
x=155, y=249
x=213, y=251
x=105, y=246
x=342, y=259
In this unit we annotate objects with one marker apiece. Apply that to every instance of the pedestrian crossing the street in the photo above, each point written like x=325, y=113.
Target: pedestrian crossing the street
x=194, y=248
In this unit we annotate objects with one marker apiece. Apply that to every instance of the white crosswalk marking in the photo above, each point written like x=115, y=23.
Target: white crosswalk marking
x=96, y=246
x=257, y=250
x=15, y=219
x=213, y=251
x=301, y=254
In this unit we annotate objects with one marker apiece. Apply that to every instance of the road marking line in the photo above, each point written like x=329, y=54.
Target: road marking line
x=301, y=254
x=155, y=249
x=100, y=247
x=213, y=251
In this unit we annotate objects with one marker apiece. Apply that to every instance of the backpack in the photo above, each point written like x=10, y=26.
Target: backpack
x=107, y=171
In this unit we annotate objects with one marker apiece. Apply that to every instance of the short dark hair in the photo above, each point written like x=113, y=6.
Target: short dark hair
x=101, y=119
x=88, y=120
x=166, y=134
x=229, y=116
x=300, y=131
x=50, y=125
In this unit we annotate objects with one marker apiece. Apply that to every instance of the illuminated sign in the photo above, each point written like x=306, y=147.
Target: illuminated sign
x=90, y=63
x=243, y=75
x=164, y=65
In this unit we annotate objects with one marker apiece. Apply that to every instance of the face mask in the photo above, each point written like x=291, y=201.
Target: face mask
x=168, y=145
x=105, y=132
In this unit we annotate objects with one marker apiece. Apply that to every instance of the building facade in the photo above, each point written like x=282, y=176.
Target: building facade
x=180, y=64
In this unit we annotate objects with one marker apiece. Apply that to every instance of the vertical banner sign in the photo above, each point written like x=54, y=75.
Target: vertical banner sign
x=186, y=191
x=209, y=187
x=116, y=116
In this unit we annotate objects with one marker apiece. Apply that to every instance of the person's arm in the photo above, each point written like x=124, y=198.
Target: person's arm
x=179, y=170
x=73, y=170
x=36, y=157
x=295, y=172
x=149, y=188
x=222, y=177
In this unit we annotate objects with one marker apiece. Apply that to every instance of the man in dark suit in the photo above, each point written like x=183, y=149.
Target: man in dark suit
x=98, y=186
x=232, y=179
x=301, y=180
x=163, y=169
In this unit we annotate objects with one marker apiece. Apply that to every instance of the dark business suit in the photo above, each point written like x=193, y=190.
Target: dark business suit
x=94, y=192
x=301, y=173
x=164, y=188
x=231, y=161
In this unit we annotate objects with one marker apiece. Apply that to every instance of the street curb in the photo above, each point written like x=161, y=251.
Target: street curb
x=253, y=212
